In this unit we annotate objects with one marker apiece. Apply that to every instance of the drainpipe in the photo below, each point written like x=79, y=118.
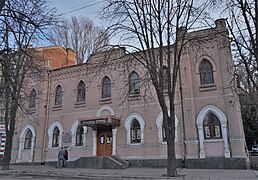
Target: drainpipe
x=183, y=116
x=47, y=107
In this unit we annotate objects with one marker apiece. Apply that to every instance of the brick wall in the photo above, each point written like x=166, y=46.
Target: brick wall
x=57, y=56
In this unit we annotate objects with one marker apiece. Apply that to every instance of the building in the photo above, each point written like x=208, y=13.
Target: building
x=100, y=109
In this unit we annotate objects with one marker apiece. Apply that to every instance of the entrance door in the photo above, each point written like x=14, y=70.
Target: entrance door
x=104, y=144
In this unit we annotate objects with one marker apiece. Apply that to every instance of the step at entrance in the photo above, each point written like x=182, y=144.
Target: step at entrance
x=125, y=163
x=100, y=162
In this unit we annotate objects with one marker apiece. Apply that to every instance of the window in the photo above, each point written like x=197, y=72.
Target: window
x=106, y=88
x=79, y=136
x=58, y=97
x=134, y=85
x=211, y=126
x=81, y=92
x=135, y=132
x=206, y=72
x=165, y=77
x=32, y=102
x=162, y=138
x=27, y=142
x=55, y=141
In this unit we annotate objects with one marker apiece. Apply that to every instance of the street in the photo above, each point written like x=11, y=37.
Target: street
x=15, y=177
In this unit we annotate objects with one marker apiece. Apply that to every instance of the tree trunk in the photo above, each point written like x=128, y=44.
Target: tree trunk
x=170, y=134
x=9, y=134
x=7, y=151
x=171, y=160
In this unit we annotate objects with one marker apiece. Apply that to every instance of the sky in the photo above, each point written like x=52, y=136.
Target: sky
x=88, y=8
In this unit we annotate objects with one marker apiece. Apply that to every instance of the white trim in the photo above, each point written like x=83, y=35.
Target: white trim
x=50, y=133
x=22, y=141
x=236, y=140
x=127, y=126
x=103, y=108
x=94, y=142
x=213, y=140
x=159, y=122
x=156, y=157
x=25, y=130
x=192, y=157
x=114, y=135
x=73, y=130
x=191, y=142
x=200, y=60
x=223, y=121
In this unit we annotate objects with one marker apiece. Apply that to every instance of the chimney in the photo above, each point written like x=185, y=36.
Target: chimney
x=220, y=23
x=71, y=57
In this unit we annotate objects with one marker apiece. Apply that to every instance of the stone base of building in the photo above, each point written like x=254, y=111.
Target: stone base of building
x=153, y=163
x=208, y=163
x=216, y=163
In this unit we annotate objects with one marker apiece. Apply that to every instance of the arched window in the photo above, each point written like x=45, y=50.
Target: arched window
x=165, y=77
x=135, y=132
x=206, y=72
x=32, y=101
x=27, y=141
x=211, y=126
x=134, y=85
x=106, y=88
x=55, y=140
x=81, y=91
x=79, y=136
x=161, y=128
x=58, y=96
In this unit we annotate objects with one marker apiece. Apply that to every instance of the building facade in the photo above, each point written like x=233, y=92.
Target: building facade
x=102, y=108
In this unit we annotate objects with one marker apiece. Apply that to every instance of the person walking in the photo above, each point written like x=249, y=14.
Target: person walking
x=61, y=158
x=65, y=158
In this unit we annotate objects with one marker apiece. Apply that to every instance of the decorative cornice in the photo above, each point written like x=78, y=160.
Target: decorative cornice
x=85, y=70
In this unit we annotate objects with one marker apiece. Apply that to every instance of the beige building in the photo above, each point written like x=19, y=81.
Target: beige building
x=103, y=108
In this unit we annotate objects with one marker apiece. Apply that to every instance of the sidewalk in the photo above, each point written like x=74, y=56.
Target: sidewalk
x=129, y=173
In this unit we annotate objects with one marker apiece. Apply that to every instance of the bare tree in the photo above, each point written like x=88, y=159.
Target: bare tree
x=242, y=24
x=156, y=28
x=22, y=24
x=81, y=35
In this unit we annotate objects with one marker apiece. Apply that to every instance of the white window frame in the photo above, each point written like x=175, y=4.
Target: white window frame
x=223, y=121
x=73, y=130
x=159, y=123
x=50, y=134
x=127, y=126
x=22, y=141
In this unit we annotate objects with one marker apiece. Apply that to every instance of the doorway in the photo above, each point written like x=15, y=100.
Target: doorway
x=104, y=141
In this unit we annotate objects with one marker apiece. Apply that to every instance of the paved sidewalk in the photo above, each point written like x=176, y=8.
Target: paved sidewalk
x=129, y=173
